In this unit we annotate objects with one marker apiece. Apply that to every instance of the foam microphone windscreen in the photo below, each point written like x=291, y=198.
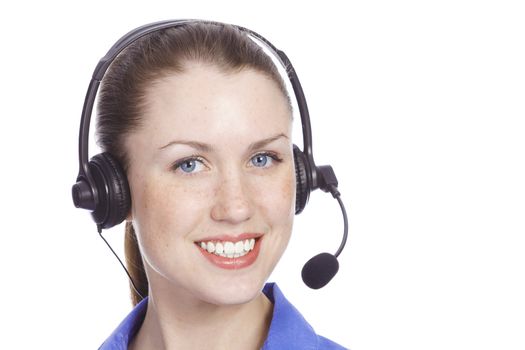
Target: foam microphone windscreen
x=319, y=270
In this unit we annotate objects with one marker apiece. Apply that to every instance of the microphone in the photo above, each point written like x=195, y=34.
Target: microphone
x=320, y=269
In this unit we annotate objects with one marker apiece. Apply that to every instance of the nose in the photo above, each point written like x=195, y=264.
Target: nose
x=232, y=202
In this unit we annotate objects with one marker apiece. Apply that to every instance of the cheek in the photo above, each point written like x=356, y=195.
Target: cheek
x=164, y=210
x=279, y=201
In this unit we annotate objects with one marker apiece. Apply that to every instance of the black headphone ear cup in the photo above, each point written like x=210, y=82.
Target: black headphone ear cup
x=301, y=179
x=114, y=199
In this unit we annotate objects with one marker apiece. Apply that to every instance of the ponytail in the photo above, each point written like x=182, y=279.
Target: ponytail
x=135, y=265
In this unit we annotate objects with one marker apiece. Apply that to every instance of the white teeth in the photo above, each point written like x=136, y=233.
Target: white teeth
x=229, y=249
x=239, y=247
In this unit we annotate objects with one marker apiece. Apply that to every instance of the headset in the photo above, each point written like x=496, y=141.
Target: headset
x=102, y=187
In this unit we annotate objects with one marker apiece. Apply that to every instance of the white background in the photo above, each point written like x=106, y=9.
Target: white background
x=418, y=105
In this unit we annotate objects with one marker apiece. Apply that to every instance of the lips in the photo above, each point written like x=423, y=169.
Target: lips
x=229, y=252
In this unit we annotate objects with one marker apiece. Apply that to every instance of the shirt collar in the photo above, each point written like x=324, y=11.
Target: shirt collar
x=287, y=325
x=120, y=338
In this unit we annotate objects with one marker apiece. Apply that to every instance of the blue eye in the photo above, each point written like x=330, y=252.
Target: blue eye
x=262, y=160
x=189, y=165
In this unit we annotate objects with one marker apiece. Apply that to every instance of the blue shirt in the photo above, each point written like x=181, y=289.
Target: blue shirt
x=288, y=329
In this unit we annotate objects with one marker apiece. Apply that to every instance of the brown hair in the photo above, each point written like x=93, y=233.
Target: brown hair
x=122, y=93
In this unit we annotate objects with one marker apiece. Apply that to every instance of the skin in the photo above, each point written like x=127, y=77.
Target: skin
x=235, y=187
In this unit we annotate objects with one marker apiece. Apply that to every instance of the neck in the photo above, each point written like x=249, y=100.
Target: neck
x=180, y=321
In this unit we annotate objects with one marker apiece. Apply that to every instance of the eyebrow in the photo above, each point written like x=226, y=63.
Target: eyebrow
x=204, y=147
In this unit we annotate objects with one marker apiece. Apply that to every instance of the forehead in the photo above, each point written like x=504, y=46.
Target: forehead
x=204, y=101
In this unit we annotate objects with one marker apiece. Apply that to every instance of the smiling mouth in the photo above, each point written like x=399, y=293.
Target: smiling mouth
x=228, y=249
x=231, y=255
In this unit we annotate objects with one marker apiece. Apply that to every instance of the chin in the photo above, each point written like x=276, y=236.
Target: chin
x=234, y=293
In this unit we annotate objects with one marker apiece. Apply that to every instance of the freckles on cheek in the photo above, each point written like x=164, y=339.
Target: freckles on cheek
x=288, y=195
x=146, y=210
x=170, y=209
x=280, y=202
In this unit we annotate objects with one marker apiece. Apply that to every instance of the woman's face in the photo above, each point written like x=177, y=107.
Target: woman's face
x=212, y=182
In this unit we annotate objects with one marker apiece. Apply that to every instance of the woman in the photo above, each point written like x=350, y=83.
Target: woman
x=201, y=123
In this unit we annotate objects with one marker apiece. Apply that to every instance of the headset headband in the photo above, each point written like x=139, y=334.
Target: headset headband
x=132, y=36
